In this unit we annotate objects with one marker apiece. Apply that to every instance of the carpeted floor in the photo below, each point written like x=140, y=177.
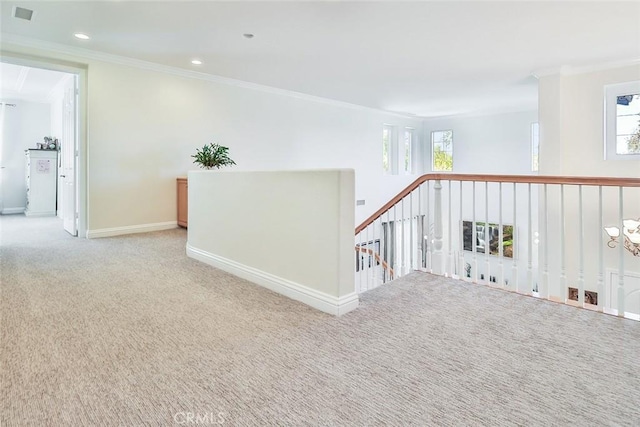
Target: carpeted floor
x=129, y=331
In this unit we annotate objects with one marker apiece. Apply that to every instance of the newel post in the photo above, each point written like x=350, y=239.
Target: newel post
x=437, y=258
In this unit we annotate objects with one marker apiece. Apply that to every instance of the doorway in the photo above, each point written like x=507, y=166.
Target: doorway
x=41, y=142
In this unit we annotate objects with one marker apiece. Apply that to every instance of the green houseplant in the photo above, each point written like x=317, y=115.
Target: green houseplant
x=213, y=156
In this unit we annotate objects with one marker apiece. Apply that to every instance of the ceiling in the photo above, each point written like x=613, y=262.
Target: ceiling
x=28, y=84
x=422, y=58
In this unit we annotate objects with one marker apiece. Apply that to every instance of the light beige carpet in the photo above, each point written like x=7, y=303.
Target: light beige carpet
x=129, y=331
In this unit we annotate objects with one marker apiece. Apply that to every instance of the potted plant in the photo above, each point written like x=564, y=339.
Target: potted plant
x=213, y=156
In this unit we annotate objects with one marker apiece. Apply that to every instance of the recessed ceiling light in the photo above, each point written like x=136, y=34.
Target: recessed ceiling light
x=247, y=35
x=196, y=62
x=81, y=36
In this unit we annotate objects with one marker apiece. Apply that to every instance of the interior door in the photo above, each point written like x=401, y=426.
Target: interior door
x=68, y=157
x=2, y=110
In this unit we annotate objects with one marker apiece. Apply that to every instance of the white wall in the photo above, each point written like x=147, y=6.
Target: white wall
x=289, y=231
x=491, y=144
x=144, y=125
x=25, y=125
x=572, y=126
x=572, y=144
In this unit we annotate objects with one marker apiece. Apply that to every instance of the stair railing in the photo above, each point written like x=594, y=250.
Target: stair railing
x=546, y=236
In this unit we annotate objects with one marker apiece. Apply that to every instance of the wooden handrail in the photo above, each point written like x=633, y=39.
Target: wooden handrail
x=376, y=256
x=518, y=179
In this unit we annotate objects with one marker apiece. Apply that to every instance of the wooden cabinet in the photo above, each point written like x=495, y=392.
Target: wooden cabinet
x=183, y=202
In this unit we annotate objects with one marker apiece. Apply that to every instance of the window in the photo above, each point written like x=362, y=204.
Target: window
x=622, y=121
x=535, y=145
x=408, y=149
x=387, y=133
x=442, y=150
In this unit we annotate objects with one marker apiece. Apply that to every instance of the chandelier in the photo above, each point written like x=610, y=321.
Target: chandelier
x=631, y=234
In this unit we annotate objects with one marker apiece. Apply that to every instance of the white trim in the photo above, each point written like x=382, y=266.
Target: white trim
x=569, y=70
x=80, y=70
x=152, y=66
x=316, y=299
x=131, y=229
x=38, y=214
x=611, y=288
x=11, y=211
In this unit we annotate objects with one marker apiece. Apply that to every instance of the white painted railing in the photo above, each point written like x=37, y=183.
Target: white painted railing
x=535, y=235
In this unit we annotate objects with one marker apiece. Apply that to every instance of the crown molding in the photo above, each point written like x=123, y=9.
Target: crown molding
x=570, y=70
x=532, y=108
x=82, y=53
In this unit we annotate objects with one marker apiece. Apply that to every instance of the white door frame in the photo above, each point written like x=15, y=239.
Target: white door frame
x=81, y=159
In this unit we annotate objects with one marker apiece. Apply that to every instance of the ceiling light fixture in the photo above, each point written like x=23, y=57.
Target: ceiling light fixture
x=631, y=236
x=247, y=35
x=81, y=36
x=196, y=62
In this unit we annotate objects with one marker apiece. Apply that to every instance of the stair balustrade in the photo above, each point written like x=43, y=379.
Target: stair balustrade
x=574, y=240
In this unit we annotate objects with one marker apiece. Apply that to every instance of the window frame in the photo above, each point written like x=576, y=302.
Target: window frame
x=389, y=157
x=611, y=93
x=535, y=146
x=433, y=158
x=412, y=143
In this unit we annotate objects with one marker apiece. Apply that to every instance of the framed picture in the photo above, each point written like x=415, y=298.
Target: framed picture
x=488, y=238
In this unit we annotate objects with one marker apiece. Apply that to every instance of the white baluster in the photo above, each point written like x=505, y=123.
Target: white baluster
x=474, y=237
x=500, y=278
x=563, y=256
x=428, y=239
x=581, y=250
x=530, y=243
x=366, y=258
x=515, y=237
x=461, y=262
x=450, y=270
x=542, y=290
x=396, y=265
x=621, y=272
x=402, y=251
x=437, y=230
x=412, y=249
x=487, y=237
x=420, y=238
x=600, y=253
x=387, y=248
x=361, y=287
x=374, y=268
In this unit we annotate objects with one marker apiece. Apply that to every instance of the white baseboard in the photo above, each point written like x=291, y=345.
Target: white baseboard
x=12, y=211
x=131, y=229
x=27, y=212
x=316, y=299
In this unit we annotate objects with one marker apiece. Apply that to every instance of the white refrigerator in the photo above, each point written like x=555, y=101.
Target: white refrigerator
x=42, y=181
